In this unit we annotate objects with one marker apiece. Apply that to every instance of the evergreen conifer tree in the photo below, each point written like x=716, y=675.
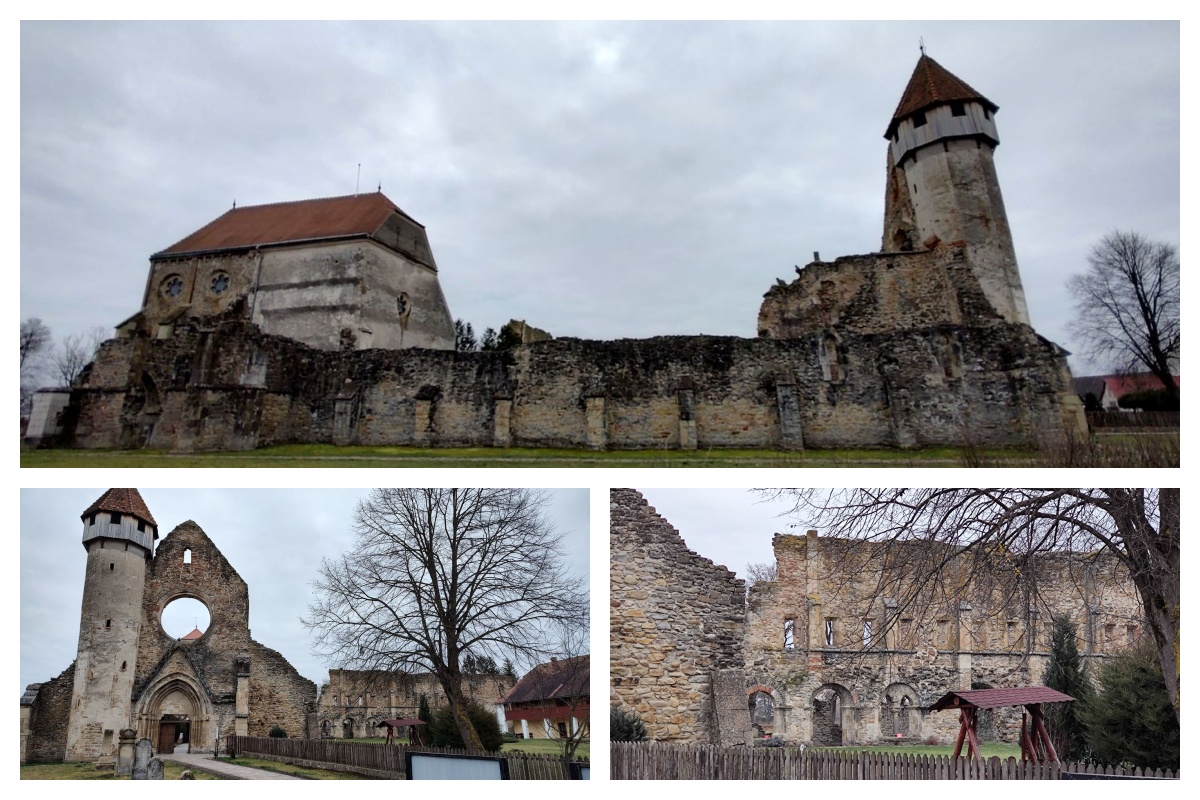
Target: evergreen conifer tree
x=1065, y=673
x=1130, y=719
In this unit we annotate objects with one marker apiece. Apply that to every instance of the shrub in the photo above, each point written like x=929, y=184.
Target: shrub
x=443, y=732
x=931, y=740
x=1130, y=719
x=625, y=726
x=277, y=733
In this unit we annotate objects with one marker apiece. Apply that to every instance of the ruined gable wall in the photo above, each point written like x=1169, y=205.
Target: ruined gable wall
x=197, y=293
x=279, y=695
x=676, y=620
x=973, y=638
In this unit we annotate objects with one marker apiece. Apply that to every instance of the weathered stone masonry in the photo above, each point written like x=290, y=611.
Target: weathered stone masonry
x=827, y=658
x=221, y=383
x=677, y=627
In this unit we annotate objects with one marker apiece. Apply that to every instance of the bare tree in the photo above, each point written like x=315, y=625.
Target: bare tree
x=940, y=540
x=762, y=571
x=68, y=360
x=439, y=573
x=1128, y=305
x=35, y=338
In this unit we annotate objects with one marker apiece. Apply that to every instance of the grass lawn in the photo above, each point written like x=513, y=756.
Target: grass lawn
x=545, y=747
x=291, y=769
x=86, y=771
x=325, y=455
x=988, y=749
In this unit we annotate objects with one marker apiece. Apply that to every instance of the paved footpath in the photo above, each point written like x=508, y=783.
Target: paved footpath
x=206, y=762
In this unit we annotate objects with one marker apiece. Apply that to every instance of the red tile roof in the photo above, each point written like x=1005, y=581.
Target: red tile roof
x=995, y=698
x=123, y=501
x=298, y=221
x=557, y=679
x=195, y=634
x=932, y=85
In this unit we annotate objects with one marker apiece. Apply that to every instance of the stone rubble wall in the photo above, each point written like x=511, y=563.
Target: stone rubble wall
x=677, y=627
x=221, y=384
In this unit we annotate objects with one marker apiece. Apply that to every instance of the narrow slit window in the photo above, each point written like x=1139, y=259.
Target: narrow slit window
x=866, y=633
x=187, y=556
x=789, y=634
x=108, y=623
x=829, y=633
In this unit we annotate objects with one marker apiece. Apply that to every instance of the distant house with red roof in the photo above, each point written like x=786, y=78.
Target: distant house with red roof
x=552, y=701
x=1109, y=389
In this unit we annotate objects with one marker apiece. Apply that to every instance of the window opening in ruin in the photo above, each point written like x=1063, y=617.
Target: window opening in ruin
x=762, y=711
x=111, y=567
x=957, y=109
x=943, y=634
x=172, y=287
x=108, y=623
x=220, y=283
x=141, y=526
x=183, y=615
x=123, y=663
x=108, y=737
x=789, y=634
x=187, y=555
x=906, y=633
x=919, y=119
x=829, y=633
x=866, y=633
x=114, y=518
x=1131, y=635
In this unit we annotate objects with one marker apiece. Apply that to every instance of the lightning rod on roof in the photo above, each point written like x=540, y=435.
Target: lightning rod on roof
x=357, y=175
x=921, y=44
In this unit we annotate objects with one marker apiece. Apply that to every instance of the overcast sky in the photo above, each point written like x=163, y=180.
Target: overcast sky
x=730, y=527
x=599, y=180
x=275, y=539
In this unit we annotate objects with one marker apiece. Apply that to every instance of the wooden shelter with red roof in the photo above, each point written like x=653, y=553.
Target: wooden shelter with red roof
x=1035, y=741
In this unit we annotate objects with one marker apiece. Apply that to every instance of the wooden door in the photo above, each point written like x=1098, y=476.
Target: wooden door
x=166, y=737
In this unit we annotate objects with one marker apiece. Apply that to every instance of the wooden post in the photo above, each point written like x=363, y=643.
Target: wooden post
x=962, y=732
x=1035, y=711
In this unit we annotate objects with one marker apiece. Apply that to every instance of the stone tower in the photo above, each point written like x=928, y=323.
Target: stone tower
x=942, y=184
x=118, y=534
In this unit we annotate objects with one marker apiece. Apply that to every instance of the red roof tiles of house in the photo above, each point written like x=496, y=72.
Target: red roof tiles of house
x=299, y=221
x=996, y=698
x=122, y=501
x=932, y=85
x=195, y=634
x=568, y=677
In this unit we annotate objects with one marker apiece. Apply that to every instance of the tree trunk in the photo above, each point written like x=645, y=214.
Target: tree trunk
x=466, y=730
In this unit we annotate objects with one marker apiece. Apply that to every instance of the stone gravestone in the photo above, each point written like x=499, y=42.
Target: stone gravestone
x=141, y=758
x=154, y=771
x=125, y=751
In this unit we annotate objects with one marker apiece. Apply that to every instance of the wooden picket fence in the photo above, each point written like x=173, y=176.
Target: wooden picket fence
x=660, y=761
x=379, y=760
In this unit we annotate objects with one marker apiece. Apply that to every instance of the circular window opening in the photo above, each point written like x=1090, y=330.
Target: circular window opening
x=220, y=283
x=173, y=286
x=185, y=618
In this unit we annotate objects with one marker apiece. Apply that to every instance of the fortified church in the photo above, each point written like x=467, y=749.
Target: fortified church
x=323, y=321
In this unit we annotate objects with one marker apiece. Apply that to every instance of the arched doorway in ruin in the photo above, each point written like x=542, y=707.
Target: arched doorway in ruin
x=830, y=721
x=898, y=714
x=761, y=701
x=175, y=713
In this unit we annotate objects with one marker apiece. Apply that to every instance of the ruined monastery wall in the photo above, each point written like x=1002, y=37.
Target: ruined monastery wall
x=677, y=627
x=220, y=383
